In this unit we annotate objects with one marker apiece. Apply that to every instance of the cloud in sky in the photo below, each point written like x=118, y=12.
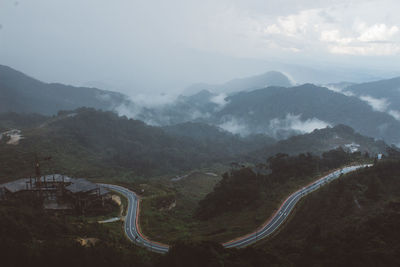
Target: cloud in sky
x=335, y=30
x=143, y=45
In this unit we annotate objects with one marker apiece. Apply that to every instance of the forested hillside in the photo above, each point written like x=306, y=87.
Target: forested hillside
x=352, y=222
x=250, y=188
x=286, y=111
x=91, y=143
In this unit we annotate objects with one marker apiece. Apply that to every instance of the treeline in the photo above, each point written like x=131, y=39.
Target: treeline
x=249, y=186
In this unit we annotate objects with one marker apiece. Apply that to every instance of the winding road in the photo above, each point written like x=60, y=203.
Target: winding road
x=132, y=229
x=131, y=226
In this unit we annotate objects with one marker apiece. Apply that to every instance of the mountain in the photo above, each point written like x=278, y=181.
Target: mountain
x=388, y=91
x=271, y=78
x=91, y=143
x=279, y=112
x=209, y=135
x=282, y=112
x=193, y=108
x=339, y=87
x=320, y=141
x=23, y=94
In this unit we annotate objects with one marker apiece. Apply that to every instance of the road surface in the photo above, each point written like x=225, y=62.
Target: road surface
x=131, y=221
x=287, y=206
x=133, y=232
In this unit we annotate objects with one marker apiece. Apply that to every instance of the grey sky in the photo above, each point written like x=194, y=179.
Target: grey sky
x=162, y=46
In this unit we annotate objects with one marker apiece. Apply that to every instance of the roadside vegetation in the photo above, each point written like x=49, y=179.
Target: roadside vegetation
x=31, y=236
x=240, y=202
x=352, y=221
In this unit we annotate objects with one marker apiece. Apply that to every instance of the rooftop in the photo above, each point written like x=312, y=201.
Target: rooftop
x=74, y=185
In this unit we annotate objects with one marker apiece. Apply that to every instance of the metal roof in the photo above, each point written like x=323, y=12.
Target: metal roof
x=17, y=185
x=103, y=191
x=79, y=185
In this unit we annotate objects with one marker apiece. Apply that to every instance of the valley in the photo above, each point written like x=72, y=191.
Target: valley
x=236, y=175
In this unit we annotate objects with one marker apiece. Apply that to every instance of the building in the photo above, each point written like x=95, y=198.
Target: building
x=56, y=191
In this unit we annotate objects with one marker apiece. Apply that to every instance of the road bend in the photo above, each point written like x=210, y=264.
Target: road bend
x=133, y=232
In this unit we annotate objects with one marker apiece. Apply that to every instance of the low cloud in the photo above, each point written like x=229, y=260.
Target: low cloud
x=395, y=114
x=159, y=110
x=129, y=110
x=381, y=105
x=136, y=106
x=294, y=123
x=153, y=100
x=234, y=126
x=377, y=104
x=197, y=114
x=339, y=90
x=219, y=99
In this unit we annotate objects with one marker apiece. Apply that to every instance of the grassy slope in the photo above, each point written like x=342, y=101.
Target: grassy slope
x=161, y=222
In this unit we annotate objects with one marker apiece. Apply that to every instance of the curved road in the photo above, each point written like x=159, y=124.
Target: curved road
x=131, y=226
x=132, y=229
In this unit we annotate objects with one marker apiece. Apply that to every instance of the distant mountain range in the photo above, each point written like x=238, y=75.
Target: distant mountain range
x=271, y=78
x=387, y=92
x=238, y=106
x=91, y=143
x=23, y=94
x=279, y=112
x=282, y=112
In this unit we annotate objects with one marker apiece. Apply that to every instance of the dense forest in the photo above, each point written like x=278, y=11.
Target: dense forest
x=249, y=186
x=92, y=143
x=351, y=222
x=98, y=144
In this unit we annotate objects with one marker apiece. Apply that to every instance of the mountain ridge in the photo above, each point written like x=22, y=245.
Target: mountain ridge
x=270, y=78
x=22, y=93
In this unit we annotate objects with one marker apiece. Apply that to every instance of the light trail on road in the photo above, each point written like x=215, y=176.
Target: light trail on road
x=132, y=229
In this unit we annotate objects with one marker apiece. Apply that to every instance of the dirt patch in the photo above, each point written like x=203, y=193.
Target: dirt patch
x=116, y=199
x=170, y=207
x=14, y=136
x=87, y=242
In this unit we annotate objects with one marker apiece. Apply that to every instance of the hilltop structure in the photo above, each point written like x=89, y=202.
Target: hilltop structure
x=58, y=192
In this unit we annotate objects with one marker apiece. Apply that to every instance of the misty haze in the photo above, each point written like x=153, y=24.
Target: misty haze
x=199, y=133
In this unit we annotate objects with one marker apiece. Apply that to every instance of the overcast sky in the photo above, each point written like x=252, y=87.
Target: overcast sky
x=162, y=46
